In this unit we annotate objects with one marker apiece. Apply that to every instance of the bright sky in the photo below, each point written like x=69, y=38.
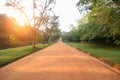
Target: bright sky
x=11, y=12
x=65, y=9
x=67, y=12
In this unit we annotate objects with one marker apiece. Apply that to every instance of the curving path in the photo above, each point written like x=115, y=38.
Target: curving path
x=58, y=62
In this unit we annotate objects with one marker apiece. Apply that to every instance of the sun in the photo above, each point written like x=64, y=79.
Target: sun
x=21, y=22
x=19, y=18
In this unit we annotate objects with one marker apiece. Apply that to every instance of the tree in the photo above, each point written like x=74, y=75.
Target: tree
x=100, y=24
x=7, y=28
x=51, y=32
x=72, y=35
x=39, y=10
x=103, y=19
x=11, y=33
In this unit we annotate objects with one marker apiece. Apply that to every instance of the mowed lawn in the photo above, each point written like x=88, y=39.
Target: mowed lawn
x=12, y=54
x=108, y=55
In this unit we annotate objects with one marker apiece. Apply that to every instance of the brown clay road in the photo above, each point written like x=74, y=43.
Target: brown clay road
x=58, y=62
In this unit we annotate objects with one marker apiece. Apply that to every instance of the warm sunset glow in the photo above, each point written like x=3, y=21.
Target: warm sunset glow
x=11, y=12
x=21, y=21
x=67, y=17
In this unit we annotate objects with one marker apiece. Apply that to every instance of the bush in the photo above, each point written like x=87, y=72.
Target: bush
x=117, y=42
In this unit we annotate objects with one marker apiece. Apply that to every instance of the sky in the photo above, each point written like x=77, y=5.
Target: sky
x=65, y=9
x=67, y=12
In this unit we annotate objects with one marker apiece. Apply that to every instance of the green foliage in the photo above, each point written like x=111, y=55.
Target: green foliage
x=100, y=24
x=110, y=55
x=11, y=54
x=4, y=41
x=13, y=39
x=56, y=33
x=12, y=34
x=116, y=2
x=51, y=33
x=73, y=35
x=117, y=42
x=41, y=7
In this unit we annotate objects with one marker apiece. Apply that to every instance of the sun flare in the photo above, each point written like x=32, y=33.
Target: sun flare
x=21, y=22
x=20, y=19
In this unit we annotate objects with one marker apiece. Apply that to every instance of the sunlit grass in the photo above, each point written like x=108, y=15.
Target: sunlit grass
x=11, y=54
x=109, y=55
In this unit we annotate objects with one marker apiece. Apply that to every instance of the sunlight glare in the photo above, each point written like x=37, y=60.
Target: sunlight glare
x=20, y=19
x=21, y=23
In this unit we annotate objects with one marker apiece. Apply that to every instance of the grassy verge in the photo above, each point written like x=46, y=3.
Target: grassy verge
x=12, y=54
x=108, y=55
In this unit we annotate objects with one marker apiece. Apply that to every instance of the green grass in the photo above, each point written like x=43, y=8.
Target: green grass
x=106, y=54
x=12, y=54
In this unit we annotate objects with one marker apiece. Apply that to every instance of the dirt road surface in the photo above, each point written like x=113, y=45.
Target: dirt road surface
x=58, y=62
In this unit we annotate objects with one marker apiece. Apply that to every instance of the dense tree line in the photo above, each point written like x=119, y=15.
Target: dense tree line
x=12, y=34
x=101, y=23
x=38, y=10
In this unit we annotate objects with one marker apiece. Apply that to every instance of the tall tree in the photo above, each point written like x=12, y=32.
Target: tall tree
x=38, y=11
x=103, y=19
x=51, y=32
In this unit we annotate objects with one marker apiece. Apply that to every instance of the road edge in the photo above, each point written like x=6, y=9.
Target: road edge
x=101, y=62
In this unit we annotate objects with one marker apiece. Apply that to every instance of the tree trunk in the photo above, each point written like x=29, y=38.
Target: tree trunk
x=107, y=40
x=34, y=31
x=47, y=41
x=34, y=40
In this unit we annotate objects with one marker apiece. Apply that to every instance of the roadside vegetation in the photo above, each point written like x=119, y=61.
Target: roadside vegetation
x=16, y=31
x=9, y=55
x=13, y=35
x=98, y=25
x=107, y=54
x=17, y=34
